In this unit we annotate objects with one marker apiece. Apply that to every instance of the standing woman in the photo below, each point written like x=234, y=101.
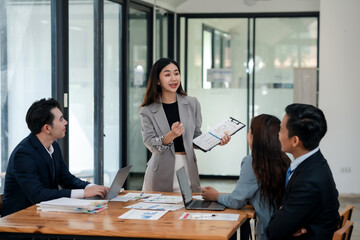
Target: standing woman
x=170, y=121
x=262, y=176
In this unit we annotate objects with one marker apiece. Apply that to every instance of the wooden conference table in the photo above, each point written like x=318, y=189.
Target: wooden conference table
x=106, y=224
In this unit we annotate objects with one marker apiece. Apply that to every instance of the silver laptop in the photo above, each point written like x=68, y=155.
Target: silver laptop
x=186, y=194
x=117, y=184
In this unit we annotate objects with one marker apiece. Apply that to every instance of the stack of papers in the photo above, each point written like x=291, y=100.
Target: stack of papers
x=73, y=205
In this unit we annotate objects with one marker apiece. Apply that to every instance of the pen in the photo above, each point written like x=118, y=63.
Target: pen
x=202, y=216
x=141, y=194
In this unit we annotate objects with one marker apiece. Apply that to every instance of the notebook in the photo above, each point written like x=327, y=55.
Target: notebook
x=186, y=194
x=117, y=184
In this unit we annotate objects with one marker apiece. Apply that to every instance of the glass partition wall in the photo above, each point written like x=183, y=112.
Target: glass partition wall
x=277, y=55
x=254, y=59
x=81, y=89
x=25, y=68
x=139, y=64
x=112, y=79
x=219, y=44
x=161, y=32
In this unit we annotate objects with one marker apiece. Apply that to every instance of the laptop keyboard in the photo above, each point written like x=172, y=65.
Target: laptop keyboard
x=200, y=204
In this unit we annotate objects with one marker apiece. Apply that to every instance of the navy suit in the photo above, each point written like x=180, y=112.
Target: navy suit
x=310, y=201
x=31, y=178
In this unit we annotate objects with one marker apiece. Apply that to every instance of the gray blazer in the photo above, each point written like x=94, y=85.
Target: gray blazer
x=247, y=191
x=160, y=168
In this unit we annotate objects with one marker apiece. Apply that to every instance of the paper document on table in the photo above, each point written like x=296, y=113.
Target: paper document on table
x=134, y=196
x=212, y=138
x=156, y=206
x=210, y=216
x=143, y=214
x=163, y=199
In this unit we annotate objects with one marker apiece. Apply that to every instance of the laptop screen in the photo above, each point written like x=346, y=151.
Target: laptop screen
x=184, y=185
x=118, y=182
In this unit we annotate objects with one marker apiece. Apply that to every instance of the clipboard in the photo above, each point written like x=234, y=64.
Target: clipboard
x=210, y=139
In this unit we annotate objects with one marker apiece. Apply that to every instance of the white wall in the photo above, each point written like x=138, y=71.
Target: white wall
x=339, y=96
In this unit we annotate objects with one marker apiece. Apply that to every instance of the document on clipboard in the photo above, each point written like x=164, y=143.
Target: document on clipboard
x=210, y=139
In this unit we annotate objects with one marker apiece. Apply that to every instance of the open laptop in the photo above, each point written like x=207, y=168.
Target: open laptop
x=117, y=184
x=186, y=194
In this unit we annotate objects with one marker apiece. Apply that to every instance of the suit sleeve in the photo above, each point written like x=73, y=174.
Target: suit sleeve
x=300, y=206
x=150, y=138
x=246, y=187
x=198, y=119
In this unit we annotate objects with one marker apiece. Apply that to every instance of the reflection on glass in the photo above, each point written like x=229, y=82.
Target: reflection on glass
x=217, y=49
x=216, y=58
x=222, y=101
x=81, y=89
x=162, y=19
x=112, y=43
x=26, y=67
x=293, y=45
x=207, y=57
x=138, y=67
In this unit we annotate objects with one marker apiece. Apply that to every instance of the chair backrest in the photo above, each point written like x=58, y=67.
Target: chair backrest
x=345, y=232
x=345, y=215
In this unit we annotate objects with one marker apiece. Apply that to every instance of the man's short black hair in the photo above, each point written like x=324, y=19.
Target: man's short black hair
x=40, y=114
x=307, y=122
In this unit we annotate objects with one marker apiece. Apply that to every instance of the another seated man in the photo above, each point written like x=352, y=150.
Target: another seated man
x=310, y=203
x=36, y=171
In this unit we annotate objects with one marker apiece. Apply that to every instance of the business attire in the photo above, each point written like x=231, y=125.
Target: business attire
x=33, y=176
x=310, y=201
x=160, y=172
x=247, y=191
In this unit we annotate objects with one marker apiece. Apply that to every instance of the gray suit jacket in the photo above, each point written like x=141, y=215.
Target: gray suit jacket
x=247, y=191
x=160, y=168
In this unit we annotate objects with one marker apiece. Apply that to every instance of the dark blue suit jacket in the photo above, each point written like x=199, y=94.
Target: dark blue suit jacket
x=30, y=176
x=310, y=201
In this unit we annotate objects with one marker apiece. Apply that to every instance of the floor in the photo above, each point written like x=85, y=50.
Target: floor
x=135, y=183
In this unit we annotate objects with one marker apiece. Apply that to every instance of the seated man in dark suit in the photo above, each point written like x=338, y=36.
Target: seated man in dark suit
x=36, y=168
x=310, y=203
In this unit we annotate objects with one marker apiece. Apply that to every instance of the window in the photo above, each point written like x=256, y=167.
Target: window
x=25, y=67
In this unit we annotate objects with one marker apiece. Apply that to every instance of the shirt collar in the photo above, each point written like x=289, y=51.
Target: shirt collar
x=50, y=150
x=294, y=164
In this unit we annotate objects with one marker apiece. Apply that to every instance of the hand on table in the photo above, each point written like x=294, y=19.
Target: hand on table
x=209, y=193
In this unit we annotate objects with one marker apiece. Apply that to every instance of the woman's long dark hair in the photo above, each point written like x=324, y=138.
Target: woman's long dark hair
x=269, y=162
x=153, y=89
